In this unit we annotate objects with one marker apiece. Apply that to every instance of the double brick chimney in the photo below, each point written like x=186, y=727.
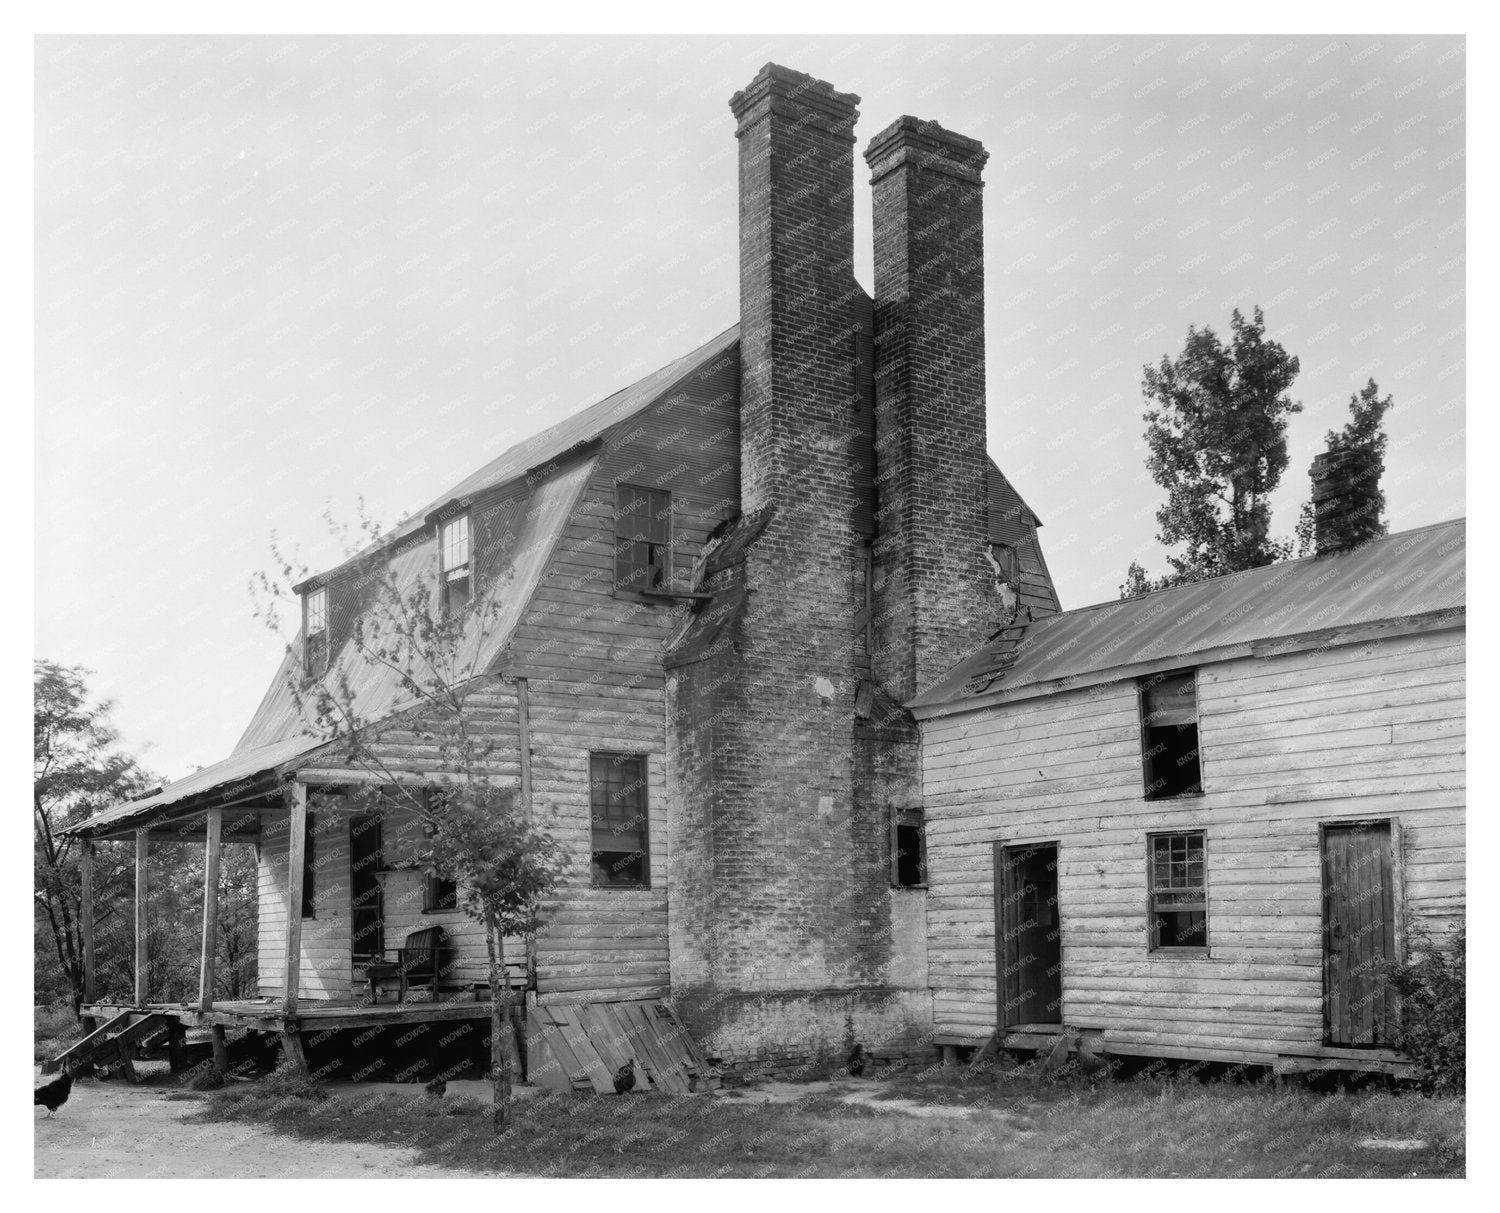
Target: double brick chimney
x=853, y=586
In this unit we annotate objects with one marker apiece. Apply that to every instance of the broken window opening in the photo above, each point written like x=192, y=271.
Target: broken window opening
x=643, y=538
x=908, y=849
x=1170, y=760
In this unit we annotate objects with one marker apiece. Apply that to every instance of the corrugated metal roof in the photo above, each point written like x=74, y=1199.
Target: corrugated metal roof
x=278, y=734
x=581, y=427
x=1413, y=573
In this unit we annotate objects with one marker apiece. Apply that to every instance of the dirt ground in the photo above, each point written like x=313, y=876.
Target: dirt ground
x=111, y=1130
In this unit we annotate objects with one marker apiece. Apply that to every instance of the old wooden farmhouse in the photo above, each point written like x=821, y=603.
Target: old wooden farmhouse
x=772, y=641
x=1199, y=822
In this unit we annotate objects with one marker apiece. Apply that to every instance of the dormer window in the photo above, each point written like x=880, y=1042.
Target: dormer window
x=643, y=538
x=315, y=631
x=456, y=565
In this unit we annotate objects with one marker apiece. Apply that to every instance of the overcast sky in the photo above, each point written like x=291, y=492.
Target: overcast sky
x=275, y=275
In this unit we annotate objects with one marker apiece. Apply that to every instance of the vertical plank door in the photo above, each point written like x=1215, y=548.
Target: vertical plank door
x=1359, y=934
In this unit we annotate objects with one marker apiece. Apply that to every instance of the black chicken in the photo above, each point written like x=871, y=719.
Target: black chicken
x=625, y=1078
x=54, y=1094
x=438, y=1087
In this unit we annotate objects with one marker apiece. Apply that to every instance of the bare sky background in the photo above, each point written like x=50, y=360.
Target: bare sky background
x=275, y=275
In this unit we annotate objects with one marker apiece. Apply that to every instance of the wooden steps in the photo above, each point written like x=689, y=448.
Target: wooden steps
x=582, y=1046
x=117, y=1043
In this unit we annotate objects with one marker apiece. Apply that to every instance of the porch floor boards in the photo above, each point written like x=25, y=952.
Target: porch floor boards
x=323, y=1013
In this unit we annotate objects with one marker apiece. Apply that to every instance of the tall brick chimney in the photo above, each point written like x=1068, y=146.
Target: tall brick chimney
x=938, y=597
x=1347, y=499
x=779, y=894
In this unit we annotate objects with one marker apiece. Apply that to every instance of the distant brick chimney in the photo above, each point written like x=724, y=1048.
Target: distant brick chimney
x=1347, y=500
x=938, y=596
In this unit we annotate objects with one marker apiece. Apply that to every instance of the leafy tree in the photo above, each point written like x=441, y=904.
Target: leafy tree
x=76, y=771
x=477, y=831
x=1360, y=448
x=1216, y=429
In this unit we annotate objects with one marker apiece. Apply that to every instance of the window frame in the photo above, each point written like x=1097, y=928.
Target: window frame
x=910, y=816
x=432, y=894
x=1141, y=687
x=315, y=660
x=645, y=817
x=463, y=571
x=1153, y=947
x=666, y=545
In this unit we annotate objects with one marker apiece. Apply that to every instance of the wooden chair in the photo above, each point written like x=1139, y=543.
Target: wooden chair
x=418, y=962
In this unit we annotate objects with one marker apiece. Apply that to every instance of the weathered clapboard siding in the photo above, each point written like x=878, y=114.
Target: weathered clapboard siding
x=325, y=969
x=1349, y=732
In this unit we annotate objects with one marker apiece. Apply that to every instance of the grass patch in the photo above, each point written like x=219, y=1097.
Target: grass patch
x=54, y=1028
x=1015, y=1126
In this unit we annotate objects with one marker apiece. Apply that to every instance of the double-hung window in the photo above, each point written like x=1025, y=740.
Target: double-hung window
x=617, y=812
x=643, y=538
x=1177, y=872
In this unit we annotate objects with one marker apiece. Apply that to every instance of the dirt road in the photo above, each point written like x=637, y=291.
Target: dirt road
x=109, y=1130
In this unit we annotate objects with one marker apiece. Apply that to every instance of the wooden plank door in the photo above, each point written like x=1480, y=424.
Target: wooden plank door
x=1360, y=903
x=1028, y=935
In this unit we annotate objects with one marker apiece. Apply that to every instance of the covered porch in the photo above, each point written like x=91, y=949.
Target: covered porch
x=268, y=807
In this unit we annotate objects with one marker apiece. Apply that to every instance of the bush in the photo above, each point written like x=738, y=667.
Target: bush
x=1432, y=1008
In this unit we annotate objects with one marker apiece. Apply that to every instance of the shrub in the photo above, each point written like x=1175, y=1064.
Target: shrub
x=1431, y=984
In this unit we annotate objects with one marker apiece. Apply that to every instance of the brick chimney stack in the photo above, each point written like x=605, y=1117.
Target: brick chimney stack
x=797, y=288
x=938, y=597
x=1347, y=500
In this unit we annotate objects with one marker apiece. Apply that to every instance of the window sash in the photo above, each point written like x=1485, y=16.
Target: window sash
x=643, y=537
x=618, y=818
x=455, y=544
x=317, y=611
x=1177, y=883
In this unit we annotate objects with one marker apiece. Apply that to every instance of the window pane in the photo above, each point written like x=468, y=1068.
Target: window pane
x=1179, y=895
x=618, y=813
x=317, y=611
x=456, y=543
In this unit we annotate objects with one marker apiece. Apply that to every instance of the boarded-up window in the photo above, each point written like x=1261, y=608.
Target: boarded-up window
x=455, y=564
x=617, y=811
x=643, y=538
x=315, y=631
x=1178, y=878
x=1169, y=735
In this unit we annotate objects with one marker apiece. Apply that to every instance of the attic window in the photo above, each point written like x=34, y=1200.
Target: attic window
x=315, y=631
x=643, y=538
x=1169, y=735
x=455, y=565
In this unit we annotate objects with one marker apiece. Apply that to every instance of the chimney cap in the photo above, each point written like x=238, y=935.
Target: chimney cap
x=795, y=95
x=928, y=144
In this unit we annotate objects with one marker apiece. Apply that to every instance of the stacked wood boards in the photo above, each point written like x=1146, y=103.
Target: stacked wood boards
x=583, y=1046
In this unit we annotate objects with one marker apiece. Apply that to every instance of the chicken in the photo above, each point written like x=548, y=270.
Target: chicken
x=54, y=1094
x=625, y=1078
x=438, y=1087
x=1093, y=1062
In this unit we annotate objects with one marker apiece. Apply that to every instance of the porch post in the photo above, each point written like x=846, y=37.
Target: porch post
x=296, y=851
x=210, y=909
x=141, y=838
x=86, y=918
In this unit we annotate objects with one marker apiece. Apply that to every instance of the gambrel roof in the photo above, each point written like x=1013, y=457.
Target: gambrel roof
x=1409, y=579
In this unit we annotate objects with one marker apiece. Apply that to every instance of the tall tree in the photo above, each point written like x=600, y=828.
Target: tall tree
x=76, y=770
x=1216, y=430
x=1360, y=445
